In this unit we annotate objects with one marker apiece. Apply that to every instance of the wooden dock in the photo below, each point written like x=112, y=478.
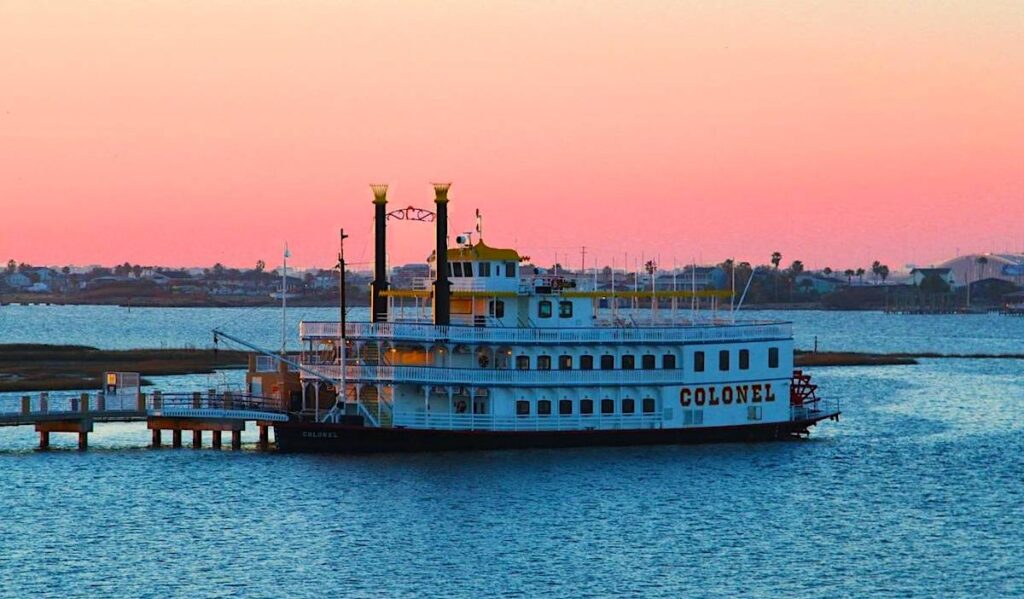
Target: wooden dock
x=195, y=412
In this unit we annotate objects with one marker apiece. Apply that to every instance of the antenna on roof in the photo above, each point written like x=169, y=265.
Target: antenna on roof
x=479, y=224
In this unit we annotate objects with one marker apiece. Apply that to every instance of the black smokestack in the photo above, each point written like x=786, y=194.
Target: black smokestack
x=379, y=304
x=442, y=286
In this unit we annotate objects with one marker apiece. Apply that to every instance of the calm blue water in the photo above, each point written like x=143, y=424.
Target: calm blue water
x=916, y=492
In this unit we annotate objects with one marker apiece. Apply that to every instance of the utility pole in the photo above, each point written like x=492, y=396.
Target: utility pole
x=583, y=259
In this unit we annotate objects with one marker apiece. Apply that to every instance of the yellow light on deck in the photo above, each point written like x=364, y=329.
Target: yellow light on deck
x=111, y=378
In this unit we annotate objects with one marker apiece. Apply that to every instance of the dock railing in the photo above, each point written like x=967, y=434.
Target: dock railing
x=98, y=406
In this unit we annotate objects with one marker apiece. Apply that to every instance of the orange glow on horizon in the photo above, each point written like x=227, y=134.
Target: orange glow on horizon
x=191, y=133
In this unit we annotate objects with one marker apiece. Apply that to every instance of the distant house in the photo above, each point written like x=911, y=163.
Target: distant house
x=18, y=280
x=918, y=275
x=817, y=283
x=701, y=277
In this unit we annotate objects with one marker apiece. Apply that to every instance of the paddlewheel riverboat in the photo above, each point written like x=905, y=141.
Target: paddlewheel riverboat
x=490, y=353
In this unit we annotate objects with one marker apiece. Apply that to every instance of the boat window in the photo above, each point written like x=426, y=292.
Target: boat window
x=565, y=362
x=510, y=270
x=698, y=361
x=586, y=362
x=457, y=268
x=450, y=270
x=723, y=360
x=543, y=362
x=607, y=406
x=744, y=359
x=496, y=308
x=628, y=406
x=648, y=362
x=648, y=405
x=544, y=407
x=586, y=406
x=544, y=309
x=773, y=357
x=484, y=269
x=607, y=362
x=668, y=362
x=467, y=269
x=522, y=408
x=628, y=361
x=565, y=309
x=522, y=362
x=565, y=407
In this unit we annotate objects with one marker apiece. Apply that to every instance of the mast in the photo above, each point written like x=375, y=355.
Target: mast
x=284, y=298
x=341, y=283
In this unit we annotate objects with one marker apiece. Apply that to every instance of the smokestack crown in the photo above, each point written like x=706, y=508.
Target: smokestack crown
x=380, y=193
x=441, y=192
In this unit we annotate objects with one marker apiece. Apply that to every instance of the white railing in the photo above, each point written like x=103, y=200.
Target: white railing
x=487, y=422
x=816, y=410
x=705, y=332
x=485, y=377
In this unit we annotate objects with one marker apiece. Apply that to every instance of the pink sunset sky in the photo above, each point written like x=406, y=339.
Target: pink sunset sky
x=187, y=133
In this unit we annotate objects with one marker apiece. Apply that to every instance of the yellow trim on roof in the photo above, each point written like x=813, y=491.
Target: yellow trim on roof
x=483, y=252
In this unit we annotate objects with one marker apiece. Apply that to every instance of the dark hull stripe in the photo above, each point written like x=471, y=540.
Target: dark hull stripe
x=338, y=438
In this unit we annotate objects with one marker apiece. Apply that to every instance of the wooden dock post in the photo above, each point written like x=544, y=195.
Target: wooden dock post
x=197, y=439
x=157, y=441
x=44, y=439
x=264, y=436
x=236, y=439
x=83, y=441
x=216, y=442
x=176, y=438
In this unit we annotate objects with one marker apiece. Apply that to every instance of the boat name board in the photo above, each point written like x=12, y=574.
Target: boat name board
x=713, y=396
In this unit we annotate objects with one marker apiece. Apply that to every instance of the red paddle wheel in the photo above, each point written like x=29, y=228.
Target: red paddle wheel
x=801, y=390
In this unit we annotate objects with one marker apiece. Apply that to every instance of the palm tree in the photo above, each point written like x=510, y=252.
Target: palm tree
x=11, y=266
x=260, y=266
x=827, y=270
x=860, y=274
x=849, y=272
x=776, y=260
x=875, y=267
x=883, y=271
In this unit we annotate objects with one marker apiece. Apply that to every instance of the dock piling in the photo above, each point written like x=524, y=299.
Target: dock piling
x=264, y=436
x=83, y=441
x=44, y=439
x=236, y=439
x=216, y=442
x=176, y=438
x=197, y=439
x=157, y=441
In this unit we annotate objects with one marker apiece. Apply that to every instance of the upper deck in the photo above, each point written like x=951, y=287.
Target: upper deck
x=680, y=332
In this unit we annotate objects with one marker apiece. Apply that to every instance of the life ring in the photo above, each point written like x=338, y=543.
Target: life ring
x=460, y=407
